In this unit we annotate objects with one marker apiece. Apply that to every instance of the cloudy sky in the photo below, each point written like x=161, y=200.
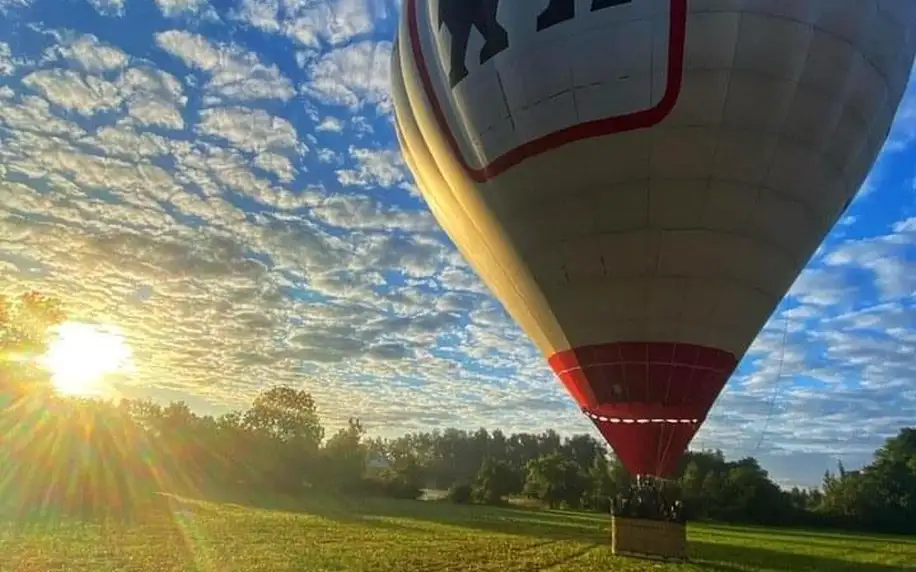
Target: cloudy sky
x=220, y=182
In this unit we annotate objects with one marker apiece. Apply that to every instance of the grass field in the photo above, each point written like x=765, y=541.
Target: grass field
x=179, y=534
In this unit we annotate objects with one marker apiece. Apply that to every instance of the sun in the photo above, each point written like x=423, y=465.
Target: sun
x=80, y=356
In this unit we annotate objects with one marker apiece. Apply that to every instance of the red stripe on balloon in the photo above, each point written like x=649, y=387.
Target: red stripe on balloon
x=660, y=384
x=677, y=35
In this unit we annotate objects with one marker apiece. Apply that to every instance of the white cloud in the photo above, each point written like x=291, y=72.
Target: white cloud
x=8, y=5
x=155, y=98
x=35, y=112
x=214, y=169
x=335, y=21
x=279, y=165
x=235, y=73
x=328, y=156
x=261, y=14
x=89, y=53
x=819, y=286
x=6, y=59
x=352, y=76
x=374, y=167
x=149, y=81
x=903, y=133
x=249, y=129
x=123, y=140
x=365, y=213
x=905, y=226
x=108, y=7
x=86, y=95
x=310, y=22
x=175, y=8
x=888, y=257
x=330, y=124
x=156, y=113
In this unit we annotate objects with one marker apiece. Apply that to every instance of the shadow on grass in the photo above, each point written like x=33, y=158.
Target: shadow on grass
x=341, y=511
x=794, y=538
x=834, y=536
x=589, y=530
x=510, y=520
x=731, y=558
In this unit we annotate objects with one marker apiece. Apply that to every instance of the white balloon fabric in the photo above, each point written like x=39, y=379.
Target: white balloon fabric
x=641, y=181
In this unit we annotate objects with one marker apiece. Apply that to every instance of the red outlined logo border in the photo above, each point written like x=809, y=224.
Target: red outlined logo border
x=597, y=128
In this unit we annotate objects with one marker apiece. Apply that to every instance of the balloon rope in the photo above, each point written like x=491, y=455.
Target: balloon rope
x=664, y=452
x=660, y=452
x=782, y=361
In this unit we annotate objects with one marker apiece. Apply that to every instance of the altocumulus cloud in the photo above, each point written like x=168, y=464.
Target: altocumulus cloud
x=223, y=183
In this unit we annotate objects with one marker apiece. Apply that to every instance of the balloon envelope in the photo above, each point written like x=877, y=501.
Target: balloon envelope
x=640, y=181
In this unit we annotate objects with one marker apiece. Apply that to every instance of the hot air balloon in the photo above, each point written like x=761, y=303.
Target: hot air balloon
x=640, y=182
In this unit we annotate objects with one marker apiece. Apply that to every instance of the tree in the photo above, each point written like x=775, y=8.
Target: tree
x=24, y=324
x=847, y=497
x=287, y=415
x=345, y=457
x=751, y=496
x=288, y=434
x=582, y=450
x=493, y=482
x=880, y=496
x=892, y=477
x=692, y=489
x=600, y=485
x=554, y=479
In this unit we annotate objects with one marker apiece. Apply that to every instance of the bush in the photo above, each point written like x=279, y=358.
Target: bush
x=481, y=494
x=401, y=488
x=393, y=484
x=460, y=493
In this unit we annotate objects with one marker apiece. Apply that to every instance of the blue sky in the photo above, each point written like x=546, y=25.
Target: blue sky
x=220, y=180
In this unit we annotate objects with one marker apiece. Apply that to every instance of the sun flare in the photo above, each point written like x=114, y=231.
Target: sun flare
x=81, y=355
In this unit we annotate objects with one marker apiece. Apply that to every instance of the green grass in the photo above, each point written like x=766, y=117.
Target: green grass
x=402, y=536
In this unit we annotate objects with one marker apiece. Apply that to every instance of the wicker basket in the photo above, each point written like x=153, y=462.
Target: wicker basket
x=643, y=538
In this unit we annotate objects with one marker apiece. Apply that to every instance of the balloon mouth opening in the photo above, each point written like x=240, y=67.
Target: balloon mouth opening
x=639, y=420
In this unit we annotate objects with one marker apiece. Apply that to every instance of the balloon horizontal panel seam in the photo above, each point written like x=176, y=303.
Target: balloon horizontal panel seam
x=737, y=331
x=810, y=217
x=641, y=277
x=574, y=88
x=606, y=364
x=814, y=25
x=780, y=136
x=477, y=139
x=537, y=247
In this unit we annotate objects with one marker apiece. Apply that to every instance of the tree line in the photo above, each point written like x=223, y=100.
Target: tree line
x=62, y=455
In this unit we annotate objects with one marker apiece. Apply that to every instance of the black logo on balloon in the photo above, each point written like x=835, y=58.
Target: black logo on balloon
x=460, y=16
x=562, y=10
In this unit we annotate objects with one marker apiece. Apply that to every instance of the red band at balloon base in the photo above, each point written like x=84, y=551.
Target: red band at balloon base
x=648, y=399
